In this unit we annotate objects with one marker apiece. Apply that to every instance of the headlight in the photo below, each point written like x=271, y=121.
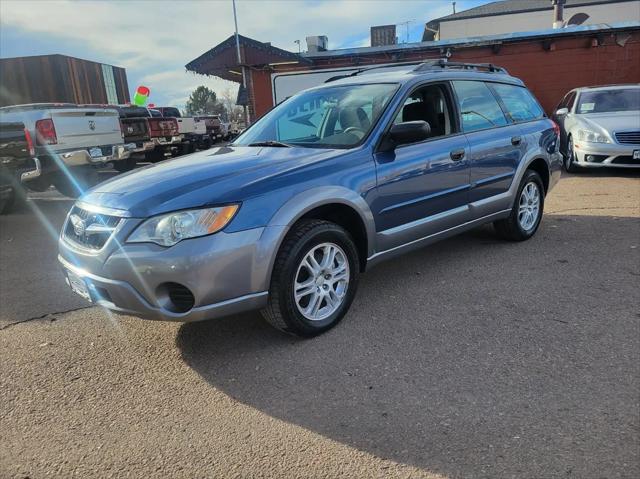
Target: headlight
x=592, y=136
x=169, y=229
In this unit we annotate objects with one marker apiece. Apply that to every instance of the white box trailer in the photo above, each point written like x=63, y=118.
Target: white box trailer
x=284, y=85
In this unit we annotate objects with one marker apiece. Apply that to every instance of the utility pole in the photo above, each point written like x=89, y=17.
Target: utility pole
x=244, y=75
x=299, y=48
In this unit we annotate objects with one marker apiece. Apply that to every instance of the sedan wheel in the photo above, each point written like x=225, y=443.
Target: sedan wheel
x=570, y=158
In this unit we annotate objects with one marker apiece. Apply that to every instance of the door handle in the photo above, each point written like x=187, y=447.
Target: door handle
x=516, y=140
x=457, y=155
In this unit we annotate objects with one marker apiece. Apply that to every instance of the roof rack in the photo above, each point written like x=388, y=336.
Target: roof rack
x=442, y=64
x=374, y=67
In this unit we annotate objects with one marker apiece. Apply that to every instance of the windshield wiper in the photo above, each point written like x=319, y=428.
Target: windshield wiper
x=270, y=143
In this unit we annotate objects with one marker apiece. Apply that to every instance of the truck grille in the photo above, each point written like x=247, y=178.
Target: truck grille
x=628, y=137
x=89, y=230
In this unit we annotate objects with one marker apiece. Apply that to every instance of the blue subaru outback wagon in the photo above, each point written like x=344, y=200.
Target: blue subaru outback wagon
x=330, y=182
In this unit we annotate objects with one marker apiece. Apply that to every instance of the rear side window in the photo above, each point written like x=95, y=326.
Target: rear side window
x=479, y=108
x=519, y=102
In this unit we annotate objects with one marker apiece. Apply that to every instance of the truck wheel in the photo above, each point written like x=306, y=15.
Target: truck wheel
x=7, y=204
x=526, y=213
x=125, y=165
x=78, y=181
x=314, y=280
x=39, y=184
x=155, y=155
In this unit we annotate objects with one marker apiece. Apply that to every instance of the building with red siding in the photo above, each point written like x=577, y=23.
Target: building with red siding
x=550, y=62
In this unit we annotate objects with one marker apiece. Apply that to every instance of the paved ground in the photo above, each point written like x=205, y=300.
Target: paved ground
x=472, y=358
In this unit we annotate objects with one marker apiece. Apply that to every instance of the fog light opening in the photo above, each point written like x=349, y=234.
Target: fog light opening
x=175, y=297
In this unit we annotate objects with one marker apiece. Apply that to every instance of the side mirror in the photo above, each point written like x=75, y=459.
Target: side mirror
x=409, y=132
x=562, y=112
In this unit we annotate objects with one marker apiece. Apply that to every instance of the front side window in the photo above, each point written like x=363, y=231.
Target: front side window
x=609, y=101
x=431, y=104
x=330, y=117
x=519, y=102
x=479, y=109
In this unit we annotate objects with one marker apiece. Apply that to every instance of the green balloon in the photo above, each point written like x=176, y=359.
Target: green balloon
x=140, y=100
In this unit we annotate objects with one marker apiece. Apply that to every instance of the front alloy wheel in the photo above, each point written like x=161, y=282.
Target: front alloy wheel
x=321, y=281
x=314, y=278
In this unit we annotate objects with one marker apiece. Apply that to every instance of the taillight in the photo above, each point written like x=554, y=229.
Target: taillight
x=27, y=136
x=121, y=129
x=556, y=128
x=46, y=132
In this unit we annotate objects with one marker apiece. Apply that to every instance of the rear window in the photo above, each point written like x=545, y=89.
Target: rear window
x=173, y=112
x=479, y=109
x=519, y=102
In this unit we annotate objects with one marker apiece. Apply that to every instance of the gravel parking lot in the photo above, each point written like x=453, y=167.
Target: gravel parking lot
x=471, y=358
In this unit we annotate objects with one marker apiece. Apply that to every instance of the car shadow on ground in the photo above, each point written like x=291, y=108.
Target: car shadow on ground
x=468, y=358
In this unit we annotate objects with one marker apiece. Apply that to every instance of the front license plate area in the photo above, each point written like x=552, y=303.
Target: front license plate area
x=78, y=285
x=636, y=154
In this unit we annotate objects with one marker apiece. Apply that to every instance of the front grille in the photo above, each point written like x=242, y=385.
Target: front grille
x=89, y=230
x=628, y=137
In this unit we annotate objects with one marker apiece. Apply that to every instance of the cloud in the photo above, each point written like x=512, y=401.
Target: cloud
x=154, y=40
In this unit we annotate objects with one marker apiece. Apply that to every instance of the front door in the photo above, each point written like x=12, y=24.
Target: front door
x=423, y=187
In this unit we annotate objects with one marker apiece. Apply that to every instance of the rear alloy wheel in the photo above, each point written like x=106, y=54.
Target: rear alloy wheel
x=526, y=213
x=314, y=279
x=570, y=157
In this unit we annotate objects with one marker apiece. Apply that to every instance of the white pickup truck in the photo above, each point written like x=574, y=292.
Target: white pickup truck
x=194, y=130
x=71, y=142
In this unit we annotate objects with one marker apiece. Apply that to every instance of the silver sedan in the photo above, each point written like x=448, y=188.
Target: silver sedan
x=600, y=127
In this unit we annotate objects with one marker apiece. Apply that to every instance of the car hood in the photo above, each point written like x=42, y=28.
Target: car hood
x=612, y=122
x=216, y=176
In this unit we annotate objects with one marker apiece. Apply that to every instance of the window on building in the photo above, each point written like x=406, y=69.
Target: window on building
x=110, y=84
x=479, y=109
x=519, y=102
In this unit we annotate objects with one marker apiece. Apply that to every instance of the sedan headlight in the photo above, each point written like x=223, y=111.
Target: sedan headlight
x=169, y=229
x=592, y=136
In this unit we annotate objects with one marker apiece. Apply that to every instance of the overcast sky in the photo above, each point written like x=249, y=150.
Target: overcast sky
x=153, y=40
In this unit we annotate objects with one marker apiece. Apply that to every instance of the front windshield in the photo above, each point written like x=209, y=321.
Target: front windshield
x=606, y=101
x=330, y=117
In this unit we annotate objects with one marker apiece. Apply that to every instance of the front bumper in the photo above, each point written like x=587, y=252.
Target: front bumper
x=108, y=153
x=601, y=155
x=167, y=141
x=227, y=273
x=144, y=146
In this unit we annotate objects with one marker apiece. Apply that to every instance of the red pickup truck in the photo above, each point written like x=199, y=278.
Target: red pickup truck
x=164, y=133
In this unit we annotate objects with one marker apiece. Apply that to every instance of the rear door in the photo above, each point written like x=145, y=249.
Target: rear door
x=496, y=144
x=86, y=127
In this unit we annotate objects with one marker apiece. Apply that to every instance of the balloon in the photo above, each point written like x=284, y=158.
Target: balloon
x=141, y=96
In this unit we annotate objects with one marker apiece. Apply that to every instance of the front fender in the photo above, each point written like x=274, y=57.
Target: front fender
x=299, y=205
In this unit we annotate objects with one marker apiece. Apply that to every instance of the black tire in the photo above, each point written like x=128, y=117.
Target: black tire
x=570, y=157
x=155, y=155
x=282, y=311
x=7, y=204
x=39, y=184
x=81, y=180
x=125, y=165
x=510, y=228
